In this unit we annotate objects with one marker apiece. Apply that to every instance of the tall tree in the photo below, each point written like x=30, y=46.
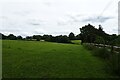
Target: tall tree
x=78, y=37
x=19, y=37
x=89, y=33
x=62, y=39
x=37, y=37
x=99, y=40
x=71, y=36
x=2, y=36
x=29, y=37
x=100, y=28
x=11, y=37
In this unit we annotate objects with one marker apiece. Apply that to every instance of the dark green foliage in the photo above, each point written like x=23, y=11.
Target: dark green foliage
x=100, y=28
x=71, y=36
x=19, y=38
x=46, y=37
x=11, y=37
x=100, y=40
x=116, y=41
x=99, y=52
x=59, y=39
x=62, y=39
x=89, y=47
x=49, y=38
x=37, y=37
x=78, y=37
x=28, y=37
x=89, y=34
x=114, y=63
x=0, y=36
x=112, y=59
x=102, y=53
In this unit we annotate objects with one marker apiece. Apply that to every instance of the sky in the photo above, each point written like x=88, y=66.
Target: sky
x=56, y=17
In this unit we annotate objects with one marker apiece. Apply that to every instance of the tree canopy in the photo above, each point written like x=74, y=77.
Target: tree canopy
x=90, y=34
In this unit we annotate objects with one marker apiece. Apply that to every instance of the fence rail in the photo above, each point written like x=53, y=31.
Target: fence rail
x=115, y=48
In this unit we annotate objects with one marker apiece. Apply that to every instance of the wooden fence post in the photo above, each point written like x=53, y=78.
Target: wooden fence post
x=112, y=49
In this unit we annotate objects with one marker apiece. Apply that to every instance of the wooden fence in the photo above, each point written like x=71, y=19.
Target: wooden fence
x=110, y=47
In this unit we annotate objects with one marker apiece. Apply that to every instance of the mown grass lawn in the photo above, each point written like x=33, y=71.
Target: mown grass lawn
x=76, y=42
x=32, y=59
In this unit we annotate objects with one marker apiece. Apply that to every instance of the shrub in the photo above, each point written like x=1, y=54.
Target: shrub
x=112, y=59
x=62, y=39
x=89, y=47
x=102, y=53
x=114, y=63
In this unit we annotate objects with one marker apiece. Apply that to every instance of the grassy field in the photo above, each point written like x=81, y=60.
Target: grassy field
x=76, y=42
x=32, y=59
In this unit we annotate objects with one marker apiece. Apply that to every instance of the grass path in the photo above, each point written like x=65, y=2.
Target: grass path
x=30, y=59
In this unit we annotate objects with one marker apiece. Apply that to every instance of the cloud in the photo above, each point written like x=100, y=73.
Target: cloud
x=10, y=30
x=119, y=31
x=61, y=32
x=97, y=19
x=24, y=34
x=80, y=18
x=53, y=15
x=47, y=3
x=21, y=13
x=39, y=31
x=35, y=22
x=75, y=18
x=61, y=23
x=69, y=19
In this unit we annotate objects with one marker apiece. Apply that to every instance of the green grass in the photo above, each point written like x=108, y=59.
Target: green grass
x=76, y=41
x=32, y=59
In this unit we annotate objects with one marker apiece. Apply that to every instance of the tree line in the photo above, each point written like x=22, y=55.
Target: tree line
x=49, y=38
x=90, y=34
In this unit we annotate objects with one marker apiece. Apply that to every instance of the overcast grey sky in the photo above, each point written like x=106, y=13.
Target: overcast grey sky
x=29, y=17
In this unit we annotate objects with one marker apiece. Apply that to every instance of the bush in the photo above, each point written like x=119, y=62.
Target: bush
x=62, y=39
x=99, y=52
x=114, y=63
x=112, y=59
x=102, y=53
x=89, y=47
